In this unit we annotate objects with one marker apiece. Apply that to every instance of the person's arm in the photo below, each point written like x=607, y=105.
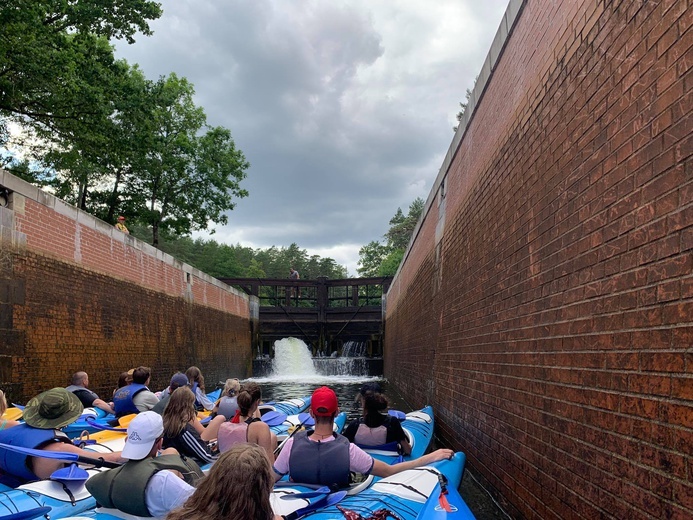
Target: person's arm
x=43, y=468
x=198, y=447
x=259, y=433
x=103, y=405
x=281, y=464
x=380, y=469
x=202, y=398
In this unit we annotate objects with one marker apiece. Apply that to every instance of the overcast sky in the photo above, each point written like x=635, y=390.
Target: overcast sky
x=344, y=109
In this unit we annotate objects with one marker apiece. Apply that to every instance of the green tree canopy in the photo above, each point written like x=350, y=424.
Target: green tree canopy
x=378, y=259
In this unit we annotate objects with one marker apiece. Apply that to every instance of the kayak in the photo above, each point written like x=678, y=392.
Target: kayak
x=288, y=407
x=411, y=494
x=418, y=426
x=302, y=420
x=93, y=420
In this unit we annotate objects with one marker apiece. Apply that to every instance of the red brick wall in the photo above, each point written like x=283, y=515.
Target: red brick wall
x=76, y=294
x=546, y=306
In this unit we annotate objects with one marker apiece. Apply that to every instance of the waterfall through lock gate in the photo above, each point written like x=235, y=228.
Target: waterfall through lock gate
x=293, y=362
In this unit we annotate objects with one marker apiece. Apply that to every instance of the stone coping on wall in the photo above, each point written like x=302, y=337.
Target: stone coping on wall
x=14, y=214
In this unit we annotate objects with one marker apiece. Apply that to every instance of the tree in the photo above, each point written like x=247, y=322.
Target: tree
x=55, y=63
x=463, y=107
x=186, y=179
x=370, y=257
x=377, y=259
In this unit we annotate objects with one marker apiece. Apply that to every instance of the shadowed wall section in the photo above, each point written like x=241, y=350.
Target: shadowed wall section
x=77, y=294
x=545, y=305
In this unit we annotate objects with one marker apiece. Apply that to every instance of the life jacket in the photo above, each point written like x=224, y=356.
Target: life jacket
x=80, y=389
x=124, y=488
x=198, y=404
x=366, y=436
x=231, y=434
x=19, y=464
x=122, y=399
x=323, y=463
x=227, y=407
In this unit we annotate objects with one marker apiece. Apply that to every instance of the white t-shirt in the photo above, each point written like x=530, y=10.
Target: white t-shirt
x=165, y=492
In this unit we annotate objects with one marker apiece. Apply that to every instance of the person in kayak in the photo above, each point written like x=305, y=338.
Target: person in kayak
x=237, y=486
x=135, y=397
x=80, y=387
x=227, y=405
x=44, y=416
x=376, y=427
x=5, y=423
x=326, y=458
x=184, y=432
x=246, y=426
x=197, y=382
x=177, y=380
x=151, y=482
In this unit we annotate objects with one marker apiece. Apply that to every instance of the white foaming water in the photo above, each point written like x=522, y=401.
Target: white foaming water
x=293, y=363
x=292, y=359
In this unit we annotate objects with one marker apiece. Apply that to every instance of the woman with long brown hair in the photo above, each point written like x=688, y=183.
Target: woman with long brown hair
x=246, y=426
x=197, y=382
x=238, y=486
x=183, y=431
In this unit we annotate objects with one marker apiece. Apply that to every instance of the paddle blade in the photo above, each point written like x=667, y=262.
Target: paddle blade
x=306, y=419
x=274, y=418
x=72, y=473
x=325, y=501
x=307, y=494
x=125, y=419
x=18, y=406
x=397, y=414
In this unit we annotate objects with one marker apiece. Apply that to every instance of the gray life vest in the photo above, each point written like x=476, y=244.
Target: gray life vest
x=124, y=488
x=323, y=463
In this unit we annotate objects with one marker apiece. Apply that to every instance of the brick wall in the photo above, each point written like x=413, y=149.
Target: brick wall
x=545, y=307
x=76, y=294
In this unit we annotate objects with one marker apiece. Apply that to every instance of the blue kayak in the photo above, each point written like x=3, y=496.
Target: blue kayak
x=418, y=426
x=288, y=407
x=411, y=494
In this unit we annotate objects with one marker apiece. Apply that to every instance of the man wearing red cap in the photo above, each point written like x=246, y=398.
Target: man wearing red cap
x=326, y=458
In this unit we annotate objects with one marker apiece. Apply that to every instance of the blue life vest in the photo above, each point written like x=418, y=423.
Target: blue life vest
x=18, y=464
x=322, y=463
x=122, y=399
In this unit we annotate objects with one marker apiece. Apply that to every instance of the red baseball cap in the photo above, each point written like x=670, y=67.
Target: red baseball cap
x=324, y=403
x=121, y=217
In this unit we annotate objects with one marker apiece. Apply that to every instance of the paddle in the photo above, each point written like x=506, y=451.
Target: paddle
x=305, y=420
x=18, y=406
x=71, y=473
x=273, y=418
x=91, y=422
x=326, y=501
x=62, y=455
x=397, y=414
x=325, y=490
x=36, y=512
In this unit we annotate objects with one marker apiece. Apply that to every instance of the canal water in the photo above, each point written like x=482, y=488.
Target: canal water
x=294, y=375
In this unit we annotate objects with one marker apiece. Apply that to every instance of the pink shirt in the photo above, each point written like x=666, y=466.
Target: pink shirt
x=359, y=460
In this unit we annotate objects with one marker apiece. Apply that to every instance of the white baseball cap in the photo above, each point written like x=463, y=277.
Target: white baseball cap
x=143, y=432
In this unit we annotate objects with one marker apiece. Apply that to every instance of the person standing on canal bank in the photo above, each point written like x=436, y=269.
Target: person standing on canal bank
x=326, y=458
x=120, y=225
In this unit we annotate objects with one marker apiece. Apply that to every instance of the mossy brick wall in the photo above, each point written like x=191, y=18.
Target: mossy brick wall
x=545, y=306
x=76, y=294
